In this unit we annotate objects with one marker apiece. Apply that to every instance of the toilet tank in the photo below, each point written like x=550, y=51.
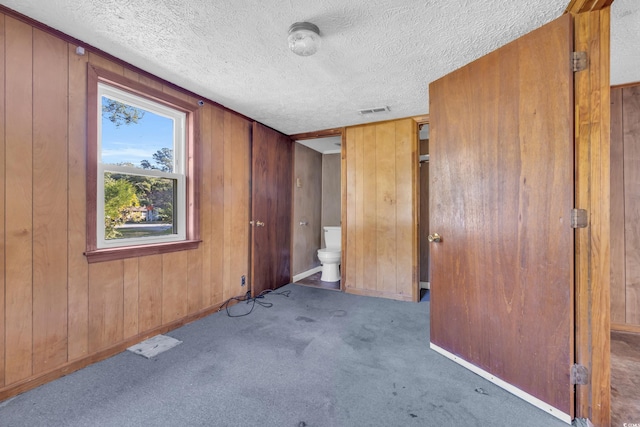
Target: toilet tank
x=332, y=237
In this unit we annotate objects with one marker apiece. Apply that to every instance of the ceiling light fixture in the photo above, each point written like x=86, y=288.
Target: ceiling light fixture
x=304, y=38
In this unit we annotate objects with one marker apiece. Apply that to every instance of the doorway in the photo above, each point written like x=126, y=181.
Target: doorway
x=316, y=204
x=625, y=250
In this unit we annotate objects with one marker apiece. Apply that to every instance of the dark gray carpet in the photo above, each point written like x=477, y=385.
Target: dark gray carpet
x=316, y=358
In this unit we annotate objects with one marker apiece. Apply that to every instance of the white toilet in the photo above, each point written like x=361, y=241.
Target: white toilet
x=331, y=255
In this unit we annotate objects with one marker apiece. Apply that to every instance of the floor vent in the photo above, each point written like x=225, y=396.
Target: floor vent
x=374, y=110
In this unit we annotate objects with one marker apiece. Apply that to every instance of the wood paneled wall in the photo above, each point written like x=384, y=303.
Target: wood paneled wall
x=380, y=248
x=625, y=208
x=57, y=312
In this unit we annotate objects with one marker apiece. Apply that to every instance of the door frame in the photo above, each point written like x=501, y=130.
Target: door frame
x=592, y=193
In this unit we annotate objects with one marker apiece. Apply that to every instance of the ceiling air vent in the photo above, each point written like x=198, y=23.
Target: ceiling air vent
x=374, y=110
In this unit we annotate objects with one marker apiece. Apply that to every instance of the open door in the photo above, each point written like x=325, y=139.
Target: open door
x=501, y=195
x=271, y=189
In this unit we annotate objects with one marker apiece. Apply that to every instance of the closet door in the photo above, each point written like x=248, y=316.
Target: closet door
x=271, y=205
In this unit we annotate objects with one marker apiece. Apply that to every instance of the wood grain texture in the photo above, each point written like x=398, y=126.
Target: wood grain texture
x=381, y=200
x=272, y=164
x=58, y=312
x=358, y=211
x=406, y=208
x=78, y=270
x=19, y=200
x=618, y=281
x=50, y=108
x=501, y=166
x=240, y=133
x=174, y=286
x=368, y=252
x=131, y=297
x=106, y=304
x=2, y=202
x=592, y=136
x=631, y=135
x=349, y=270
x=217, y=189
x=150, y=292
x=581, y=6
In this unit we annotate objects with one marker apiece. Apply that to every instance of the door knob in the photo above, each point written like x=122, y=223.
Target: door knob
x=435, y=237
x=260, y=223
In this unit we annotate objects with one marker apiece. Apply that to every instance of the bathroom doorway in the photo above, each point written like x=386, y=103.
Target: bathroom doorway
x=316, y=204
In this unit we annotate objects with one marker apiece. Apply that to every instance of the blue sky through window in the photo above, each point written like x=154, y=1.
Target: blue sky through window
x=136, y=141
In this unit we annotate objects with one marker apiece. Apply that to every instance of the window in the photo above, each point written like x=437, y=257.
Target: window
x=142, y=177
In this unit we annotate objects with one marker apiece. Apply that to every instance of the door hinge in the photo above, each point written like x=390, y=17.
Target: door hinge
x=578, y=61
x=579, y=374
x=579, y=218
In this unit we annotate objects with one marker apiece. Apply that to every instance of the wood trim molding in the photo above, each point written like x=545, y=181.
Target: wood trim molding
x=422, y=120
x=580, y=6
x=72, y=366
x=620, y=327
x=592, y=192
x=96, y=75
x=317, y=134
x=623, y=85
x=89, y=48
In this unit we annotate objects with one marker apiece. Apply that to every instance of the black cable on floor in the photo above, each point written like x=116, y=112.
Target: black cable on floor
x=253, y=301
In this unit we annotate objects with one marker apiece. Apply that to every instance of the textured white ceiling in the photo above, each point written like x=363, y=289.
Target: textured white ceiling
x=374, y=52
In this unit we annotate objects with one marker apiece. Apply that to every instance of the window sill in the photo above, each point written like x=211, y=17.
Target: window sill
x=102, y=255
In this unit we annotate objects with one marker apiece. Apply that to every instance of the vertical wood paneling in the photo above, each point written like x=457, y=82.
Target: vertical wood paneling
x=351, y=226
x=360, y=203
x=217, y=191
x=406, y=165
x=381, y=197
x=105, y=304
x=131, y=298
x=368, y=227
x=150, y=292
x=236, y=215
x=631, y=134
x=206, y=190
x=386, y=202
x=54, y=308
x=78, y=280
x=618, y=281
x=101, y=62
x=174, y=286
x=19, y=200
x=194, y=280
x=227, y=206
x=241, y=130
x=50, y=107
x=2, y=201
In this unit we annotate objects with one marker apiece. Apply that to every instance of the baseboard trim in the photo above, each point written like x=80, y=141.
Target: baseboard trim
x=625, y=327
x=378, y=294
x=37, y=380
x=425, y=285
x=505, y=385
x=307, y=273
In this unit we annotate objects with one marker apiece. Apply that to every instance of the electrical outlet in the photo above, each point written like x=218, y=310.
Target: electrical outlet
x=243, y=280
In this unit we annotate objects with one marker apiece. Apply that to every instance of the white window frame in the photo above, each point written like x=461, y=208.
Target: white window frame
x=179, y=169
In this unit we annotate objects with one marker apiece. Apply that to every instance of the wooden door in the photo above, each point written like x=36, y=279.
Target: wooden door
x=502, y=188
x=271, y=201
